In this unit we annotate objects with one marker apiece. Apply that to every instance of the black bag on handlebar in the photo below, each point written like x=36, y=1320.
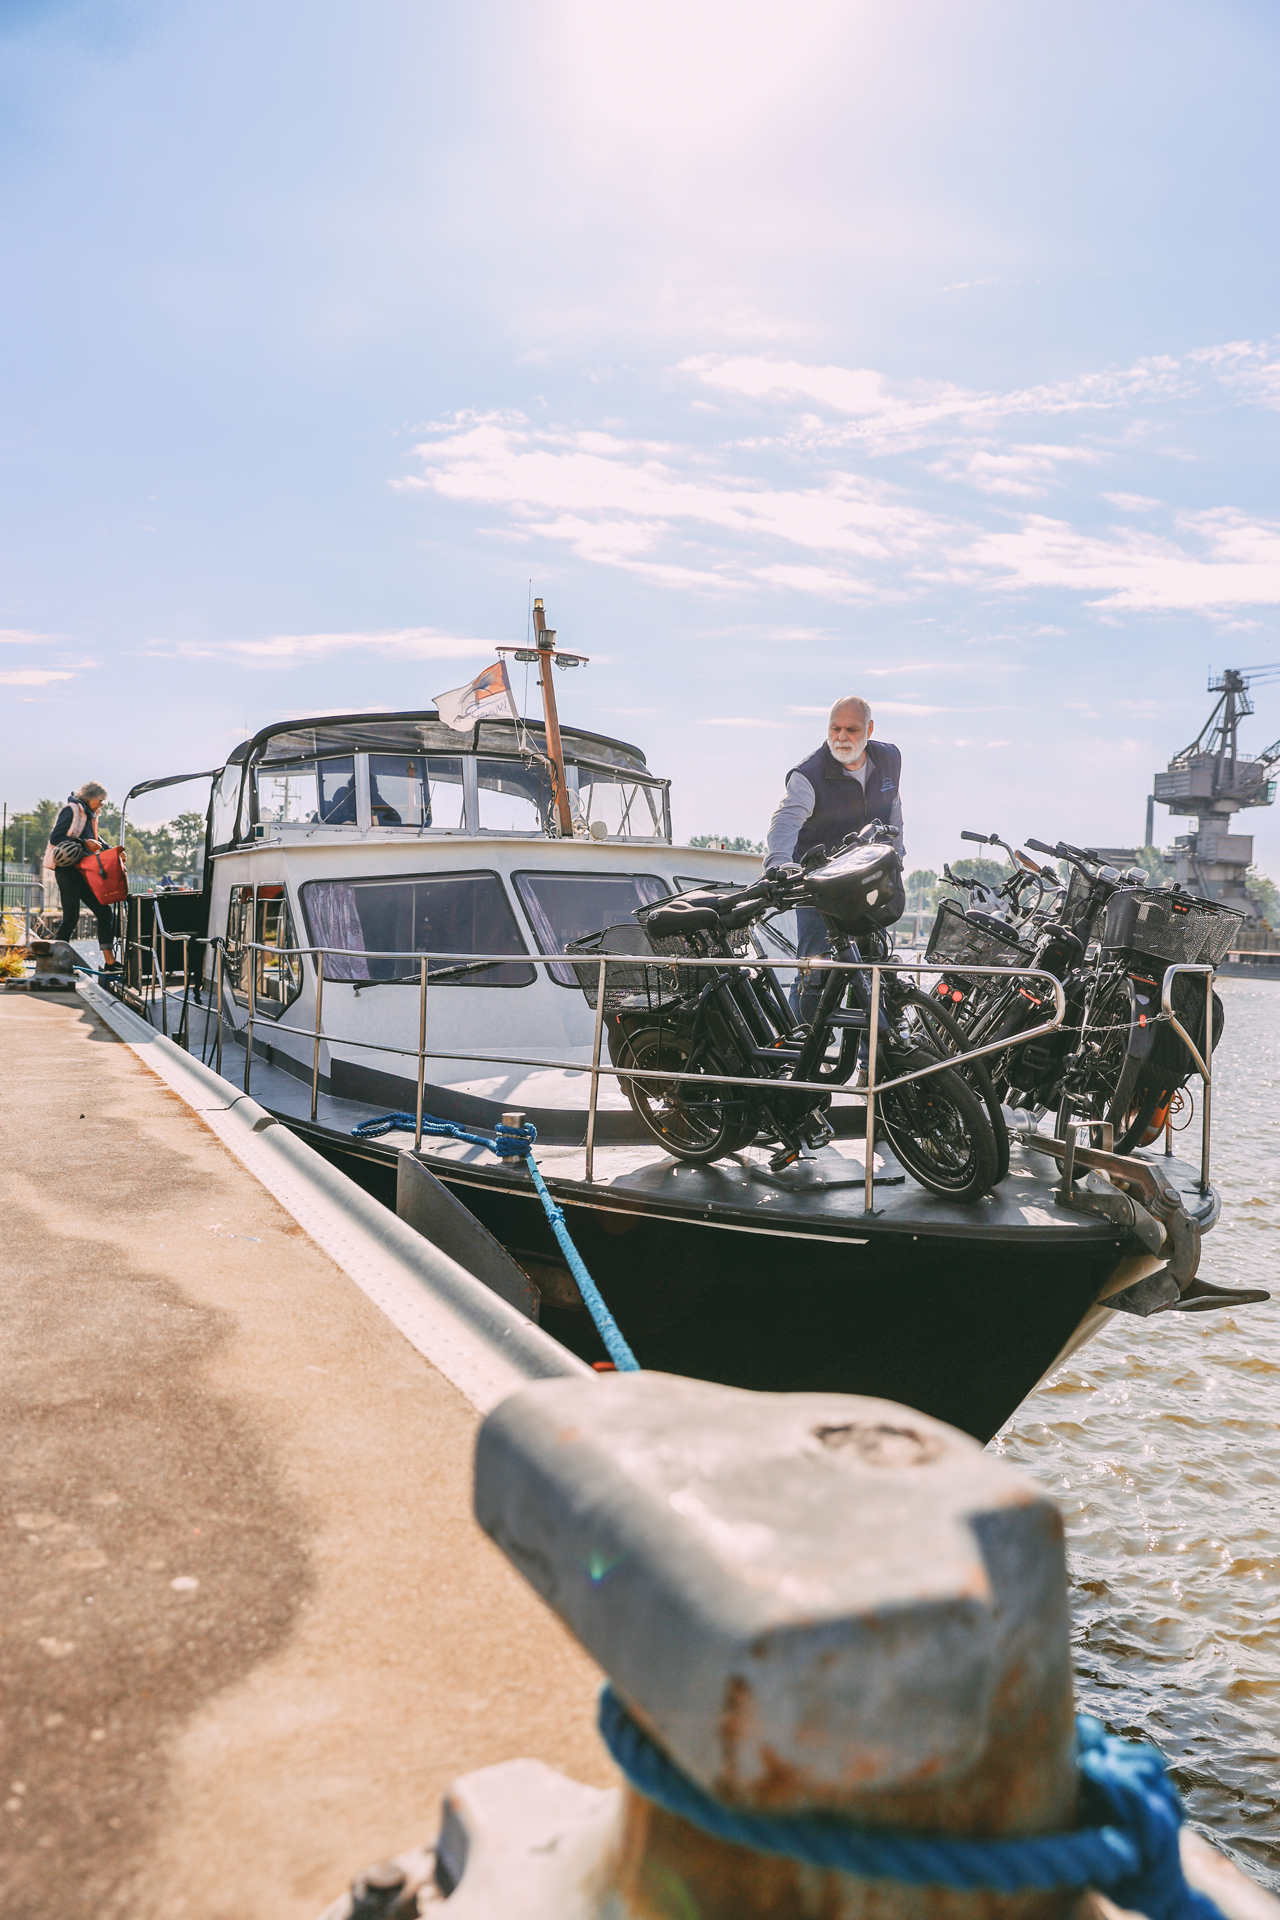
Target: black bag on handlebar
x=861, y=886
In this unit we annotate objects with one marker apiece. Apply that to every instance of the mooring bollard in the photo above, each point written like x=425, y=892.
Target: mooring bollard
x=810, y=1607
x=812, y=1604
x=55, y=968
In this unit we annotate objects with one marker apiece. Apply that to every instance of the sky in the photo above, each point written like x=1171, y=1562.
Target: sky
x=888, y=346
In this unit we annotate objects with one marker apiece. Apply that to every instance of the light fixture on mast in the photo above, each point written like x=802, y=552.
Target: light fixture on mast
x=544, y=653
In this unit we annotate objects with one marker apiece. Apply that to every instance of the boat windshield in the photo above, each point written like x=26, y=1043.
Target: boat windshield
x=309, y=793
x=416, y=790
x=565, y=906
x=621, y=808
x=447, y=913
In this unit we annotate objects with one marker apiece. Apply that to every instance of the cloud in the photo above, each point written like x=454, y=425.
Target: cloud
x=800, y=514
x=289, y=649
x=745, y=720
x=1023, y=472
x=1224, y=558
x=23, y=637
x=617, y=502
x=893, y=706
x=911, y=412
x=33, y=677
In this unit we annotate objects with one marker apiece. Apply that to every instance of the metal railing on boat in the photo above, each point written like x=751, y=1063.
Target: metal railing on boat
x=874, y=1089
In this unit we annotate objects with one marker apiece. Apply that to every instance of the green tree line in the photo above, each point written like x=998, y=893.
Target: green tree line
x=176, y=846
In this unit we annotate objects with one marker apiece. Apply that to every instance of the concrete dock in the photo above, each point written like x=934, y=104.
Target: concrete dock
x=251, y=1630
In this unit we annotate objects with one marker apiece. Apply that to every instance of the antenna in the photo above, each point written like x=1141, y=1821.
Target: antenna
x=544, y=652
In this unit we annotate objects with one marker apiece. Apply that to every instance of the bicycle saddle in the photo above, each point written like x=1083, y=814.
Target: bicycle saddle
x=687, y=915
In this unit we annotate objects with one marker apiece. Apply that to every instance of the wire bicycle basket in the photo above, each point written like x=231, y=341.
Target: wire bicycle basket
x=960, y=939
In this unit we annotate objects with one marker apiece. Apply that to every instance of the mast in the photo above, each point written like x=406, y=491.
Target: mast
x=545, y=654
x=546, y=640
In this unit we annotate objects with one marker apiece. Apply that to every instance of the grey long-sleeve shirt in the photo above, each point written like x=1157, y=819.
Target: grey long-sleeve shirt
x=797, y=804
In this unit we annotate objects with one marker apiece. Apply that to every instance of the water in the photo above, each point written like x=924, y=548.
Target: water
x=1161, y=1442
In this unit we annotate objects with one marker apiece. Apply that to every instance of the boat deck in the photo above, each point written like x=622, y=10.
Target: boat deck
x=819, y=1199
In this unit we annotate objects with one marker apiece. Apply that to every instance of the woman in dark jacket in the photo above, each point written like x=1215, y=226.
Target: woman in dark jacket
x=77, y=825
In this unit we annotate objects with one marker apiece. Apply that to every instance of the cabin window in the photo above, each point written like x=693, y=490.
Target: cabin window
x=268, y=924
x=308, y=793
x=514, y=798
x=621, y=808
x=286, y=796
x=226, y=805
x=375, y=922
x=566, y=906
x=416, y=790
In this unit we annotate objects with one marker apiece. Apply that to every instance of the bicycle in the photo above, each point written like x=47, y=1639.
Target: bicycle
x=734, y=1021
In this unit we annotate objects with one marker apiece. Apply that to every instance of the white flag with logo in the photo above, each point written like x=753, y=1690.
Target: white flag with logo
x=487, y=697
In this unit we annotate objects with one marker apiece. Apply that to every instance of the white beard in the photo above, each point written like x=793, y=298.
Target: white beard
x=847, y=755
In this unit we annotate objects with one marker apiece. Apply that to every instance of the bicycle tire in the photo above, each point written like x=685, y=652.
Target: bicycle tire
x=692, y=1125
x=936, y=1017
x=939, y=1129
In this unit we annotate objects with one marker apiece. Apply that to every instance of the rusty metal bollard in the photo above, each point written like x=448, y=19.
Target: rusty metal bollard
x=812, y=1603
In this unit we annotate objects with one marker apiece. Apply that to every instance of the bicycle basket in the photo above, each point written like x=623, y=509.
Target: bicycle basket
x=1169, y=927
x=1075, y=905
x=960, y=940
x=638, y=987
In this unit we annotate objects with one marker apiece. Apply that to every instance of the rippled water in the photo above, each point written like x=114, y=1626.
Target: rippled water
x=1161, y=1441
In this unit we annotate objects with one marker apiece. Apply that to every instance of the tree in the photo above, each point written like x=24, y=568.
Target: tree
x=1264, y=894
x=38, y=823
x=722, y=844
x=990, y=872
x=922, y=887
x=188, y=839
x=1154, y=865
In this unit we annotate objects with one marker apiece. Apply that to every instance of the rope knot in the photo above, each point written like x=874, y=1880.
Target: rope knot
x=1131, y=1852
x=514, y=1143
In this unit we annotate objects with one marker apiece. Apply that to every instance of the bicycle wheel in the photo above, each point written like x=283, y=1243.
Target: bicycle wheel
x=938, y=1128
x=1114, y=1091
x=943, y=1033
x=691, y=1121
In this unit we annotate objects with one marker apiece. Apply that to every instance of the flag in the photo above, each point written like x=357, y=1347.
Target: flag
x=487, y=697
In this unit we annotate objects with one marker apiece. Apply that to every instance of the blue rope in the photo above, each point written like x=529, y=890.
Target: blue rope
x=516, y=1143
x=1132, y=1853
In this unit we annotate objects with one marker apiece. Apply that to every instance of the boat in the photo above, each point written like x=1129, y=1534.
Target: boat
x=381, y=895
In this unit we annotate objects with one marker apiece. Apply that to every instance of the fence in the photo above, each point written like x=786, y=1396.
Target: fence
x=23, y=893
x=317, y=1035
x=160, y=972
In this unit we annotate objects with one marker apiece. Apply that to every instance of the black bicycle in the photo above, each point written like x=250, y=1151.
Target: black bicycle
x=733, y=1024
x=1107, y=938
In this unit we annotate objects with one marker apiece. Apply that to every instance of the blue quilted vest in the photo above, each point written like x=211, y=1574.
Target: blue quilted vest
x=841, y=806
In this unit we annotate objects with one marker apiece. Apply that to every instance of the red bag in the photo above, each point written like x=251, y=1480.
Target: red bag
x=105, y=872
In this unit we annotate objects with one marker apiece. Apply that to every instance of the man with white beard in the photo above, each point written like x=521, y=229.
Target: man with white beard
x=850, y=780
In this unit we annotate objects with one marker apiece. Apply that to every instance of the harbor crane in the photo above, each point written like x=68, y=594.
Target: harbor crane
x=1211, y=780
